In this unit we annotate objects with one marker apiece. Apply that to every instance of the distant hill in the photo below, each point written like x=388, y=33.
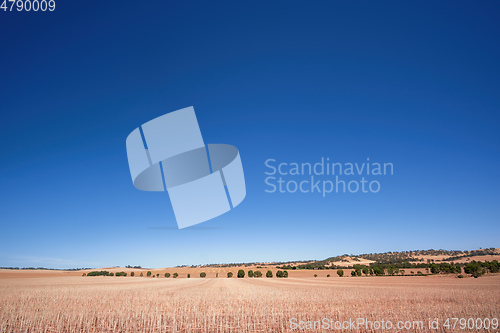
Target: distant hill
x=416, y=256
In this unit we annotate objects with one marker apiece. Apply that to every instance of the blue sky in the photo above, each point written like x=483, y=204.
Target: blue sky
x=411, y=83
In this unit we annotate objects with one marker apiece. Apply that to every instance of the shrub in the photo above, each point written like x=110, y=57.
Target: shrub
x=157, y=274
x=84, y=274
x=340, y=272
x=189, y=276
x=328, y=275
x=353, y=273
x=112, y=274
x=167, y=275
x=460, y=276
x=148, y=273
x=203, y=274
x=175, y=275
x=315, y=275
x=141, y=274
x=419, y=273
x=257, y=274
x=229, y=274
x=279, y=274
x=269, y=274
x=241, y=273
x=285, y=274
x=121, y=274
x=132, y=274
x=250, y=273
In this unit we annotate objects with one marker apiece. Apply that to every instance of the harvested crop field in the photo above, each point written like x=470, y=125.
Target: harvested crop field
x=125, y=304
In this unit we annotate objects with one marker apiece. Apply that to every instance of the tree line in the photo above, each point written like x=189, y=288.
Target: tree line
x=474, y=268
x=240, y=274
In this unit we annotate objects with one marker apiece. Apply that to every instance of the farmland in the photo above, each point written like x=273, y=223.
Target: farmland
x=55, y=302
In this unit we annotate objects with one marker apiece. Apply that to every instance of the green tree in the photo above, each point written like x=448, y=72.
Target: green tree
x=315, y=275
x=167, y=275
x=279, y=274
x=474, y=268
x=157, y=274
x=378, y=271
x=493, y=266
x=148, y=273
x=175, y=275
x=353, y=273
x=285, y=274
x=241, y=273
x=340, y=272
x=203, y=274
x=327, y=275
x=230, y=274
x=269, y=274
x=132, y=274
x=189, y=276
x=257, y=274
x=250, y=274
x=141, y=275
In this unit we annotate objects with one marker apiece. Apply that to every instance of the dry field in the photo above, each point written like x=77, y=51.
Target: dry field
x=125, y=304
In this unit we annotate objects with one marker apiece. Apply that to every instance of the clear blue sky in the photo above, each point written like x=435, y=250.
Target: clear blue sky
x=408, y=82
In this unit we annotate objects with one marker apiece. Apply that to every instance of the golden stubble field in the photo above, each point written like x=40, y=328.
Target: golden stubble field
x=124, y=304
